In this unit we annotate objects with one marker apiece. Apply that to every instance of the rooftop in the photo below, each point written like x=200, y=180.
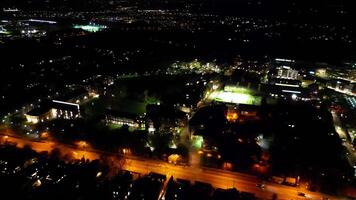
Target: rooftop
x=39, y=110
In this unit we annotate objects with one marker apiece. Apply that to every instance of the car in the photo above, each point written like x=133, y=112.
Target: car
x=302, y=194
x=260, y=185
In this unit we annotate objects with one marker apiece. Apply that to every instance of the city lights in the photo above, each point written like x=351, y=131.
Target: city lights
x=177, y=100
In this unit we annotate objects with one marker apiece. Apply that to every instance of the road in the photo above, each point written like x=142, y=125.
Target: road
x=342, y=91
x=351, y=152
x=218, y=178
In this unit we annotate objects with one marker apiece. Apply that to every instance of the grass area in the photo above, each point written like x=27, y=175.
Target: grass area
x=131, y=106
x=114, y=126
x=93, y=108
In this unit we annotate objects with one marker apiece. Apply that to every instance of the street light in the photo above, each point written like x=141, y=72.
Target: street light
x=82, y=144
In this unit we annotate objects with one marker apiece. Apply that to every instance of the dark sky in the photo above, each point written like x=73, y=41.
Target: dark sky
x=238, y=7
x=301, y=3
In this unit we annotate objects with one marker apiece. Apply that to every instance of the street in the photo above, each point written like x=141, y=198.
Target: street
x=351, y=153
x=218, y=178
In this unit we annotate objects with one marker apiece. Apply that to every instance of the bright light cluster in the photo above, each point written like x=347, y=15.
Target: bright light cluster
x=235, y=97
x=90, y=28
x=232, y=116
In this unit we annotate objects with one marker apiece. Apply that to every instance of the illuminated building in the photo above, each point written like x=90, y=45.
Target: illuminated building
x=54, y=109
x=42, y=21
x=322, y=73
x=66, y=107
x=3, y=30
x=174, y=158
x=283, y=60
x=248, y=112
x=39, y=114
x=10, y=10
x=289, y=91
x=122, y=118
x=65, y=110
x=285, y=83
x=286, y=72
x=232, y=115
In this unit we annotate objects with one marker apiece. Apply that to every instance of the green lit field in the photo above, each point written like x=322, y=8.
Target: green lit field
x=235, y=95
x=90, y=28
x=5, y=32
x=197, y=141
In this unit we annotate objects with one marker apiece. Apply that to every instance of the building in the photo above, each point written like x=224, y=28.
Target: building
x=248, y=112
x=68, y=108
x=164, y=118
x=286, y=83
x=286, y=72
x=241, y=112
x=286, y=91
x=65, y=110
x=39, y=114
x=123, y=118
x=232, y=114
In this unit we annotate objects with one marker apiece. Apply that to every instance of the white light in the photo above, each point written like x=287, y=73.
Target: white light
x=294, y=96
x=42, y=21
x=288, y=85
x=63, y=102
x=291, y=91
x=151, y=129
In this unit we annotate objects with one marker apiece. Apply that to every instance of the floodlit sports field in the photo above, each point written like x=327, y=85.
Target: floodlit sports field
x=235, y=95
x=90, y=28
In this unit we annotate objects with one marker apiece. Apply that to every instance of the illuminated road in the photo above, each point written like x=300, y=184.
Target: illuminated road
x=218, y=178
x=351, y=152
x=342, y=91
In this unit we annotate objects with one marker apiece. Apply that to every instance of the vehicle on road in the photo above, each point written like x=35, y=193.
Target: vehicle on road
x=260, y=185
x=302, y=194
